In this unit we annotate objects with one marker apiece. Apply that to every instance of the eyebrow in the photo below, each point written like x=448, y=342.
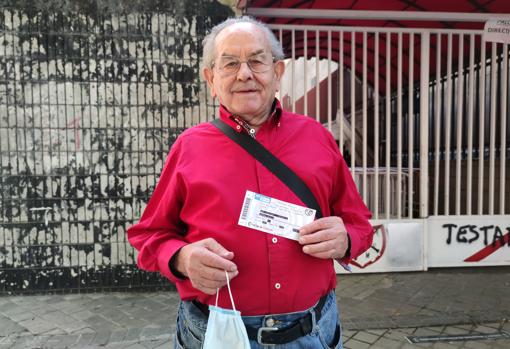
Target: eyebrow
x=258, y=52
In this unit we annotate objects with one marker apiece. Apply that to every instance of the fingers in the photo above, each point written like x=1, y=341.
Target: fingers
x=325, y=249
x=318, y=236
x=216, y=248
x=209, y=286
x=324, y=238
x=206, y=262
x=320, y=224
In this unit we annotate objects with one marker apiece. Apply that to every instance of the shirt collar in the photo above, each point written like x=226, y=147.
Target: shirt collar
x=238, y=124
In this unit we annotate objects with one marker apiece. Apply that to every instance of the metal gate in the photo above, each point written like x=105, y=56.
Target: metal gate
x=420, y=114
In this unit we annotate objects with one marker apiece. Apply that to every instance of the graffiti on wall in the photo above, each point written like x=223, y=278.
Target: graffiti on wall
x=90, y=103
x=475, y=240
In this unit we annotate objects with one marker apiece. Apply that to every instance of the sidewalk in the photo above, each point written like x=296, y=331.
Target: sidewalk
x=378, y=311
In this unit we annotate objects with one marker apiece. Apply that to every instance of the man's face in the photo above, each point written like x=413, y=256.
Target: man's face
x=244, y=93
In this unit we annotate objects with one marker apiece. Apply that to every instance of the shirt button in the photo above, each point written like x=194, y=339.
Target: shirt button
x=238, y=127
x=277, y=285
x=275, y=240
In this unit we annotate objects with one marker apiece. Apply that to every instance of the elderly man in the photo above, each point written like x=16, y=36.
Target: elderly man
x=190, y=231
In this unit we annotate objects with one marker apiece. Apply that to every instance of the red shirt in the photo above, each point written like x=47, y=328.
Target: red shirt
x=200, y=195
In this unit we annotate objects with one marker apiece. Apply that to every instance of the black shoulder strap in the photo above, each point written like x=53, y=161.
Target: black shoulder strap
x=266, y=158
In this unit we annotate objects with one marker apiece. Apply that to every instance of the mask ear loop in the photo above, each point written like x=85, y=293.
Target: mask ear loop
x=229, y=292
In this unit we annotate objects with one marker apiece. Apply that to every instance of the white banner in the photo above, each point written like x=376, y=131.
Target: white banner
x=468, y=241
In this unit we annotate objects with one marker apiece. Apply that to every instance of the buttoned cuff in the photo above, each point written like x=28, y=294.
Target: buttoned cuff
x=165, y=253
x=173, y=269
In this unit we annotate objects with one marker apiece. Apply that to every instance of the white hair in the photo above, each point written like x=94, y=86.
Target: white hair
x=209, y=42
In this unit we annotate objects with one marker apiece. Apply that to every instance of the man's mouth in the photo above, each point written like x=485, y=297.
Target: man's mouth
x=245, y=91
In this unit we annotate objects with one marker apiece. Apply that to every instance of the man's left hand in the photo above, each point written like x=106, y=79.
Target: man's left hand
x=324, y=238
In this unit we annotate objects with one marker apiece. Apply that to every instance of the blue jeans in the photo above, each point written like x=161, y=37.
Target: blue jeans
x=326, y=333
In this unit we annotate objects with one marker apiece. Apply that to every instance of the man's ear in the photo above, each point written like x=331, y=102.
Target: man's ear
x=209, y=76
x=279, y=69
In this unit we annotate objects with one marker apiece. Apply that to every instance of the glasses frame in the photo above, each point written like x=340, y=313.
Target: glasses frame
x=247, y=61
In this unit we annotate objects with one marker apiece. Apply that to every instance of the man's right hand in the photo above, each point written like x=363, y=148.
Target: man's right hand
x=204, y=262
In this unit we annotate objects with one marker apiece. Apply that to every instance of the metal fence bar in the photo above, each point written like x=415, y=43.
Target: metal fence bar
x=471, y=103
x=399, y=125
x=292, y=64
x=492, y=146
x=459, y=118
x=376, y=126
x=410, y=189
x=424, y=119
x=365, y=113
x=437, y=109
x=448, y=116
x=305, y=73
x=330, y=97
x=388, y=125
x=317, y=76
x=353, y=101
x=340, y=114
x=481, y=126
x=503, y=145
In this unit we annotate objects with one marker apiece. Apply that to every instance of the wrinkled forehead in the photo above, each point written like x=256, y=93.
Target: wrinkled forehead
x=241, y=38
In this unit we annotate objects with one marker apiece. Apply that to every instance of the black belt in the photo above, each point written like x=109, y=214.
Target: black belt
x=274, y=335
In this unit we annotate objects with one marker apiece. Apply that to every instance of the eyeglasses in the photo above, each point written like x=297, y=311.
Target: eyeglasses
x=257, y=64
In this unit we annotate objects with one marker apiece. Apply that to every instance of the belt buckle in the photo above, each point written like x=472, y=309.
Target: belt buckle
x=259, y=334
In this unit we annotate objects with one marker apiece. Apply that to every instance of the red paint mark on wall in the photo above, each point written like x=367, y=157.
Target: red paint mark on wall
x=375, y=251
x=490, y=249
x=75, y=123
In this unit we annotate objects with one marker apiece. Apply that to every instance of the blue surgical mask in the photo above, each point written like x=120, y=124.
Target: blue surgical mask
x=225, y=327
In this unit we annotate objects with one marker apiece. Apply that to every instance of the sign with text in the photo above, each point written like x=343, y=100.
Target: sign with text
x=497, y=30
x=468, y=241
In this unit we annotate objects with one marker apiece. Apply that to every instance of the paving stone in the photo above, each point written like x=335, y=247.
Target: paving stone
x=136, y=346
x=484, y=329
x=82, y=314
x=442, y=345
x=454, y=330
x=85, y=339
x=366, y=337
x=133, y=334
x=355, y=344
x=65, y=341
x=424, y=332
x=378, y=333
x=476, y=345
x=386, y=344
x=101, y=338
x=9, y=327
x=435, y=329
x=501, y=344
x=346, y=334
x=156, y=343
x=37, y=325
x=165, y=345
x=118, y=335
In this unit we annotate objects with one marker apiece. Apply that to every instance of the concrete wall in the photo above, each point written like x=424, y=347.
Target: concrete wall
x=92, y=95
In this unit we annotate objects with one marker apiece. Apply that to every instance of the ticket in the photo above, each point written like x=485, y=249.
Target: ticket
x=274, y=216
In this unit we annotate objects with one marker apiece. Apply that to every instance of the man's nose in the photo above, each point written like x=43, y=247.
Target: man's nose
x=244, y=72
